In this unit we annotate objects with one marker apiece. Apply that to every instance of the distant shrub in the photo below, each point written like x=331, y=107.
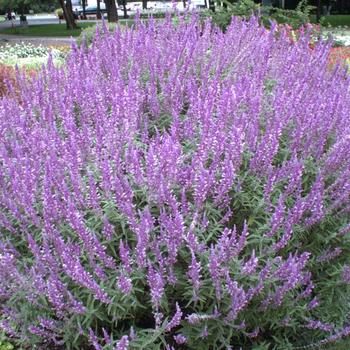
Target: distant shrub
x=59, y=13
x=87, y=35
x=177, y=187
x=30, y=56
x=225, y=10
x=148, y=15
x=22, y=50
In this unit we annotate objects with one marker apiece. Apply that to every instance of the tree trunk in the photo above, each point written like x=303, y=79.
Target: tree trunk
x=124, y=9
x=68, y=14
x=212, y=5
x=98, y=11
x=318, y=11
x=112, y=12
x=84, y=9
x=144, y=4
x=23, y=18
x=73, y=23
x=107, y=9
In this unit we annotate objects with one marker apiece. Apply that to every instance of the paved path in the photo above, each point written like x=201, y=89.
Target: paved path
x=33, y=20
x=44, y=41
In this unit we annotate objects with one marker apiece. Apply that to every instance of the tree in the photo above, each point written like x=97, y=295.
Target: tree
x=98, y=10
x=68, y=14
x=124, y=9
x=212, y=5
x=318, y=11
x=112, y=13
x=144, y=4
x=23, y=6
x=84, y=8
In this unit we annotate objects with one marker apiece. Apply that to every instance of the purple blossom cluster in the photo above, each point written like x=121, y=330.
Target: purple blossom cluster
x=312, y=324
x=346, y=274
x=125, y=176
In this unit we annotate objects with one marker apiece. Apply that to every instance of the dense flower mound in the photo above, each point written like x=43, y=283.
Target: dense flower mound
x=175, y=187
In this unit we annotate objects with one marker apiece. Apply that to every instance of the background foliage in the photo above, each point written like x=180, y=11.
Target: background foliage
x=23, y=6
x=247, y=8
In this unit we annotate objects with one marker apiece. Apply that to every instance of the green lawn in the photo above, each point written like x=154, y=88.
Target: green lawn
x=337, y=20
x=47, y=30
x=54, y=30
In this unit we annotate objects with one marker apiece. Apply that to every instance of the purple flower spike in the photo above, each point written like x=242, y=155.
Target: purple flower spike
x=123, y=343
x=175, y=321
x=180, y=339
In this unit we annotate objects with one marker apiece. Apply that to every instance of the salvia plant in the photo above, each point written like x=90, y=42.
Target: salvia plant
x=177, y=187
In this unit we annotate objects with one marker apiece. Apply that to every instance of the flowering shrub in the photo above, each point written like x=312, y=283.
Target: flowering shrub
x=313, y=30
x=8, y=79
x=6, y=76
x=87, y=35
x=29, y=55
x=339, y=55
x=175, y=187
x=22, y=50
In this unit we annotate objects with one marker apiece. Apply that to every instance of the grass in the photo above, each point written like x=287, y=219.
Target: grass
x=336, y=20
x=47, y=30
x=54, y=30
